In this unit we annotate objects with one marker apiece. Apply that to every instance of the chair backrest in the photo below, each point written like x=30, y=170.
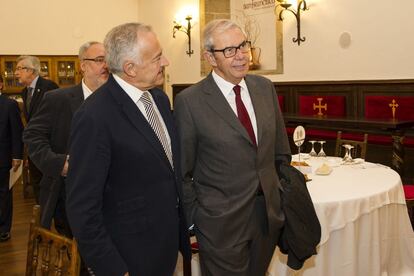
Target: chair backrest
x=49, y=253
x=360, y=147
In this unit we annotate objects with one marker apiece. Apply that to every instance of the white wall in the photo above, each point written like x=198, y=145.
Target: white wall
x=381, y=47
x=382, y=44
x=59, y=27
x=160, y=14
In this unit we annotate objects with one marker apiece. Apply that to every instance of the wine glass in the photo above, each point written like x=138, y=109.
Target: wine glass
x=313, y=152
x=321, y=152
x=348, y=154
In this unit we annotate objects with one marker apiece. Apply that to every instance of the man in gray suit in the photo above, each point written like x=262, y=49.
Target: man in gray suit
x=232, y=137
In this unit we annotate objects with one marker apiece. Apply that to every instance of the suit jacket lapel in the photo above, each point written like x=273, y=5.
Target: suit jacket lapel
x=76, y=98
x=36, y=96
x=135, y=117
x=24, y=94
x=24, y=97
x=218, y=103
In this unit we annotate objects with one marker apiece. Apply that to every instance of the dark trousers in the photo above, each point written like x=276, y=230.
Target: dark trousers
x=62, y=224
x=250, y=257
x=60, y=219
x=6, y=201
x=35, y=175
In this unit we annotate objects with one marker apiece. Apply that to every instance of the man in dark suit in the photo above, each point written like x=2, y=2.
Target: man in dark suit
x=11, y=154
x=232, y=138
x=123, y=191
x=27, y=72
x=47, y=134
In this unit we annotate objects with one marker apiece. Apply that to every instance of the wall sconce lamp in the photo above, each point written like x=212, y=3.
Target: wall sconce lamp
x=287, y=7
x=187, y=30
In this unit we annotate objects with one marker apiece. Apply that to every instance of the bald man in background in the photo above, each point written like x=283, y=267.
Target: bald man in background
x=47, y=134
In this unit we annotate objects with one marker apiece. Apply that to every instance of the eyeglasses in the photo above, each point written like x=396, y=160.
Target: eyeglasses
x=229, y=52
x=99, y=59
x=19, y=68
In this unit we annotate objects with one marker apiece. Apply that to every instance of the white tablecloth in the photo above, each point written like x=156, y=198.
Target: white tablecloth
x=365, y=225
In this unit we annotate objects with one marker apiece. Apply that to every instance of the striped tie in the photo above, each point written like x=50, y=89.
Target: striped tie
x=155, y=123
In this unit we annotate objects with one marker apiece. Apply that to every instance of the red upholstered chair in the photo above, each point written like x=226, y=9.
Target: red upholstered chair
x=322, y=105
x=388, y=107
x=409, y=199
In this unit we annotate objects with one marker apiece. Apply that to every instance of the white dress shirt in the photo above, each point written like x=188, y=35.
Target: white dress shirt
x=86, y=91
x=135, y=95
x=33, y=84
x=227, y=89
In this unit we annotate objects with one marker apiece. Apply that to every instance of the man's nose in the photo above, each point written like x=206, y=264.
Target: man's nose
x=164, y=61
x=240, y=54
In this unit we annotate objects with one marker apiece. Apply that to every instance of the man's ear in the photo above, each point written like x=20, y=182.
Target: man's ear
x=209, y=56
x=129, y=69
x=82, y=66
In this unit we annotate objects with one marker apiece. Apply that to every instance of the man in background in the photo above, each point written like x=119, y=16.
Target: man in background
x=27, y=72
x=47, y=134
x=123, y=190
x=11, y=154
x=232, y=138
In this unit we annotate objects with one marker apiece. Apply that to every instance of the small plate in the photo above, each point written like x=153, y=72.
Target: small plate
x=324, y=173
x=328, y=171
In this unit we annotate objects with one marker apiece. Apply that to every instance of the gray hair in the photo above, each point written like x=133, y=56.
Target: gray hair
x=84, y=47
x=31, y=62
x=121, y=45
x=217, y=26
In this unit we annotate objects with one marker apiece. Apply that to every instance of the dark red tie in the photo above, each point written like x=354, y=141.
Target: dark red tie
x=243, y=115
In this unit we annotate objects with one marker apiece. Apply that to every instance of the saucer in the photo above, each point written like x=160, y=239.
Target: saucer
x=325, y=169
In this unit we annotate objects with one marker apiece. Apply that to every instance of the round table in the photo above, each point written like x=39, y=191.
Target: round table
x=364, y=220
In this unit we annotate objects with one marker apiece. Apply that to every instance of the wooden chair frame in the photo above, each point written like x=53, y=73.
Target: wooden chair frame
x=359, y=146
x=56, y=254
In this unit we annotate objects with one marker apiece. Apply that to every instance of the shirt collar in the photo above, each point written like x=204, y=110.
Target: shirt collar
x=227, y=87
x=133, y=92
x=86, y=91
x=33, y=84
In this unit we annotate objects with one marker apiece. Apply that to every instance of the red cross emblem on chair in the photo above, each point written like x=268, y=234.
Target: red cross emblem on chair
x=319, y=106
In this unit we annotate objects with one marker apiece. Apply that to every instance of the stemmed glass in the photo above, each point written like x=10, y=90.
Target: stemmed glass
x=313, y=152
x=348, y=154
x=321, y=152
